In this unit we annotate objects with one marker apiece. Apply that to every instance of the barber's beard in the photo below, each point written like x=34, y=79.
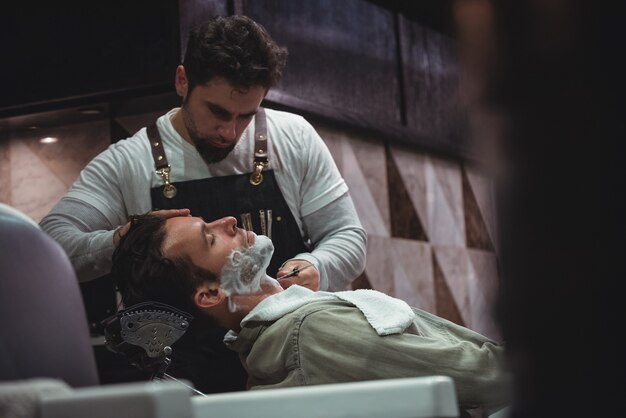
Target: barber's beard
x=209, y=153
x=244, y=271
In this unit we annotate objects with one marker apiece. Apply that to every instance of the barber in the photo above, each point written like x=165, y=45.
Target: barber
x=220, y=153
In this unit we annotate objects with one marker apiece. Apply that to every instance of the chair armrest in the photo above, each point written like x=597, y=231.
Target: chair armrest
x=137, y=400
x=420, y=397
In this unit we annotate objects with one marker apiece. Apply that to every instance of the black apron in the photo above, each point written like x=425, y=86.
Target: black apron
x=258, y=204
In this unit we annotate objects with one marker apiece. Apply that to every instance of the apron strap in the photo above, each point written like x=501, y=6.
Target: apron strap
x=259, y=163
x=160, y=160
x=156, y=145
x=260, y=147
x=260, y=135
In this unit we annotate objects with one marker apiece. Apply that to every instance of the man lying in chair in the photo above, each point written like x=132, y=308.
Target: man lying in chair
x=295, y=337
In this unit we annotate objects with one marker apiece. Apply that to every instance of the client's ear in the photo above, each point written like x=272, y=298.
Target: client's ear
x=208, y=295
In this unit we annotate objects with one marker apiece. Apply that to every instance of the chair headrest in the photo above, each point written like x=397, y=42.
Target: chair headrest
x=144, y=333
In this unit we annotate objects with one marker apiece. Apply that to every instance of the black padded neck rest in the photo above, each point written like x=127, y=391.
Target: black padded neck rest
x=144, y=333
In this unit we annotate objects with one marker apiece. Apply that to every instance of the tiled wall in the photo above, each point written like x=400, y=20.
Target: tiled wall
x=431, y=225
x=431, y=221
x=36, y=175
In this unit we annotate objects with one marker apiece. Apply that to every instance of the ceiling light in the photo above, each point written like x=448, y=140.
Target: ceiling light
x=48, y=140
x=90, y=111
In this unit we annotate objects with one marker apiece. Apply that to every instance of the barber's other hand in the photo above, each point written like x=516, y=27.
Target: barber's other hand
x=166, y=213
x=307, y=277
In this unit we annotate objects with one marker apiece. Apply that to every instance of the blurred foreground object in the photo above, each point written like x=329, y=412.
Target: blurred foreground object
x=546, y=84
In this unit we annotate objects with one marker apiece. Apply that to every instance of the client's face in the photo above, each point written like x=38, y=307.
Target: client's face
x=209, y=245
x=245, y=268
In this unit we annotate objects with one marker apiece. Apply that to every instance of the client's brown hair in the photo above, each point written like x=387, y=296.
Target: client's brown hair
x=141, y=273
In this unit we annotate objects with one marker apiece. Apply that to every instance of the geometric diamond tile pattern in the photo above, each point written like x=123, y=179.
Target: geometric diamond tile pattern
x=405, y=222
x=471, y=279
x=434, y=248
x=5, y=169
x=445, y=305
x=402, y=268
x=362, y=164
x=479, y=210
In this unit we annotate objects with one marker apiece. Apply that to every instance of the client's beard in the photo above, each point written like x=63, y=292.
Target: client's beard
x=245, y=269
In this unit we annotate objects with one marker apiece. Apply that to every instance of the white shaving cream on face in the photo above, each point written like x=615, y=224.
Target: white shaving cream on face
x=245, y=269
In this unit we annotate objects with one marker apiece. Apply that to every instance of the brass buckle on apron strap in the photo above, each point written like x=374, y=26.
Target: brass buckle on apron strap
x=160, y=161
x=260, y=162
x=256, y=177
x=169, y=190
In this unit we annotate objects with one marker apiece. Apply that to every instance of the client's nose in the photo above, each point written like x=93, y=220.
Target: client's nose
x=228, y=223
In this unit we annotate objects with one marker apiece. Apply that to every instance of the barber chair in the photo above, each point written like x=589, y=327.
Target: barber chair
x=47, y=366
x=420, y=397
x=43, y=323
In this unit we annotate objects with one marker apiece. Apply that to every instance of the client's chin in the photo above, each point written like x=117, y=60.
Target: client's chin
x=244, y=272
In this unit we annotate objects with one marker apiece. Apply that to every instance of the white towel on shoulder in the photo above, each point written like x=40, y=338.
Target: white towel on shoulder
x=385, y=314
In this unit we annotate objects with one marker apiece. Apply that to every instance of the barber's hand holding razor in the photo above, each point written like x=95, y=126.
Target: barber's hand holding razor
x=166, y=213
x=298, y=272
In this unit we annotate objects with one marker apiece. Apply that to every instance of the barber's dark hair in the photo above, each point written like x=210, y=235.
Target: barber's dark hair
x=141, y=272
x=235, y=48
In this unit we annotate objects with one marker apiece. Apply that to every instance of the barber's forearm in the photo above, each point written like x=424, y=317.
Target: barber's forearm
x=87, y=239
x=95, y=261
x=339, y=243
x=340, y=259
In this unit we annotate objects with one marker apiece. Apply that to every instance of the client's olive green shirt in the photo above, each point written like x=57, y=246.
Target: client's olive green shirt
x=330, y=341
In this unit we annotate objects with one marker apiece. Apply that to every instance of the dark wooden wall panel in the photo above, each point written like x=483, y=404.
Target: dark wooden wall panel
x=193, y=12
x=342, y=54
x=431, y=80
x=358, y=63
x=57, y=51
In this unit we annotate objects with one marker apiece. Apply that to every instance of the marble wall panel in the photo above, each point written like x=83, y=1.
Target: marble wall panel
x=412, y=166
x=5, y=171
x=380, y=264
x=483, y=287
x=78, y=144
x=412, y=272
x=446, y=223
x=362, y=164
x=436, y=191
x=454, y=264
x=35, y=188
x=482, y=188
x=40, y=174
x=401, y=268
x=471, y=276
x=446, y=305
